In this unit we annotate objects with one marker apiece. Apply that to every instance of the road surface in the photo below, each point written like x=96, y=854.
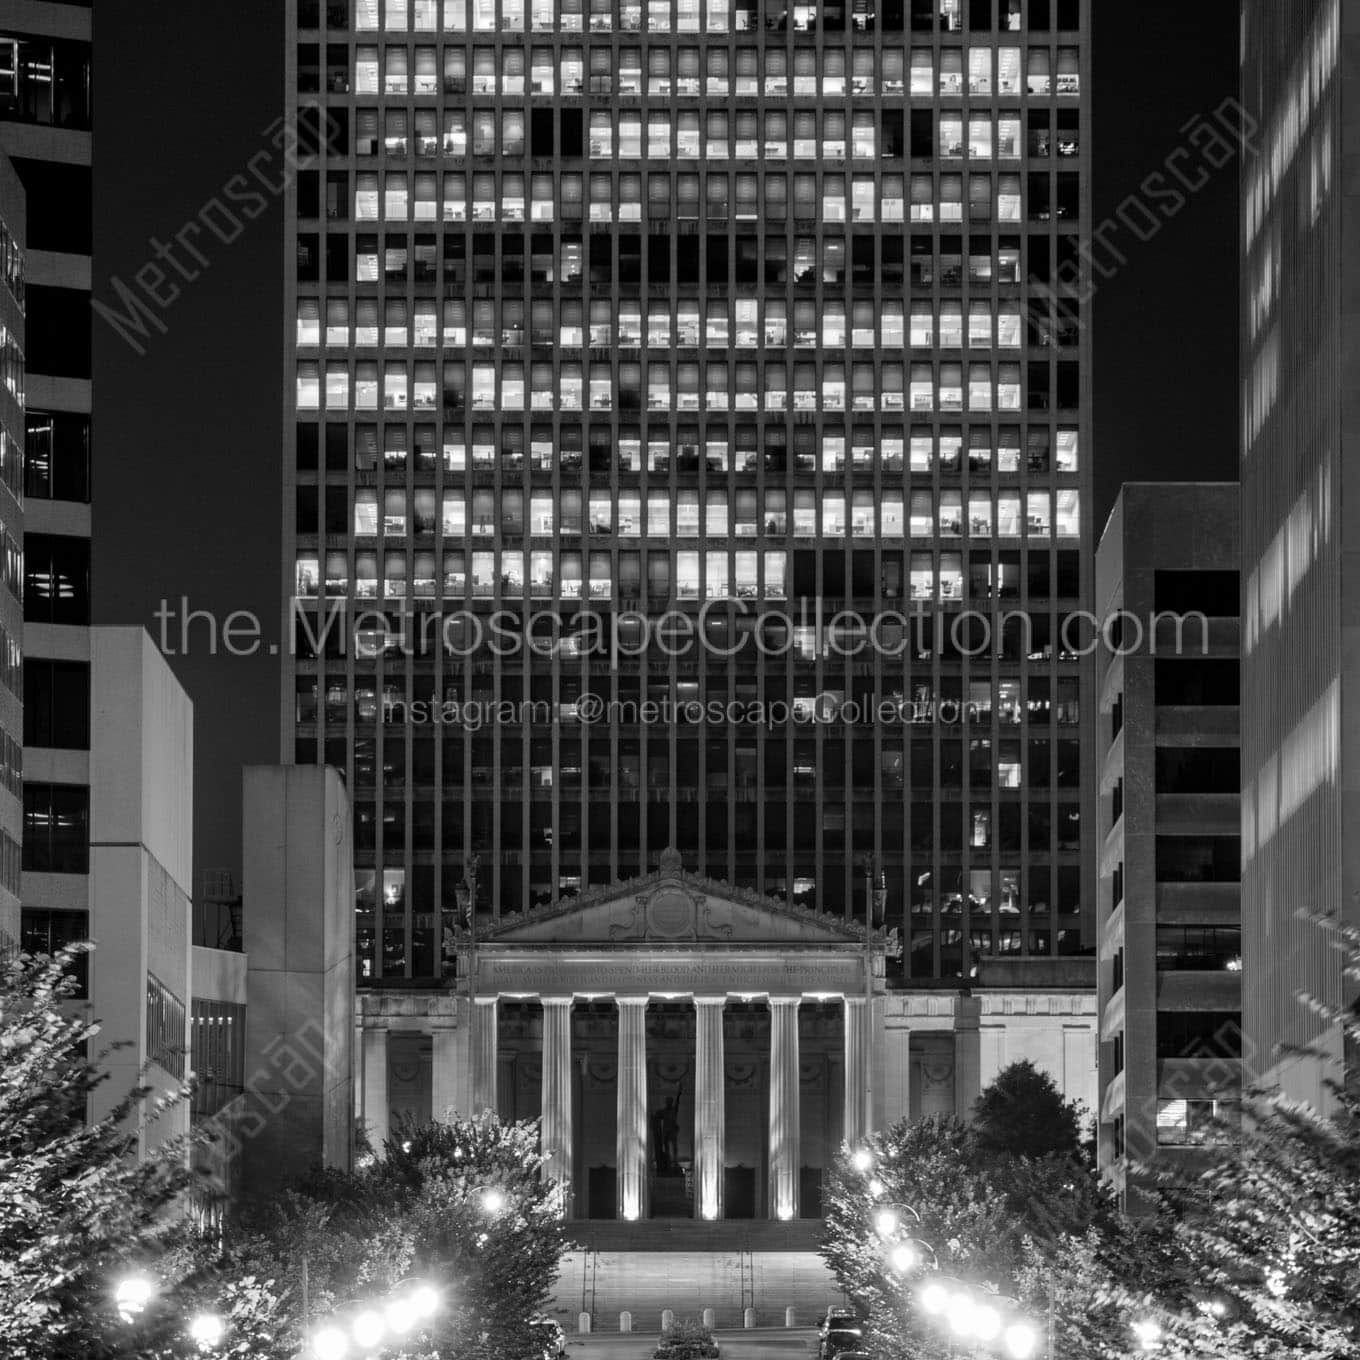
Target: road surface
x=795, y=1344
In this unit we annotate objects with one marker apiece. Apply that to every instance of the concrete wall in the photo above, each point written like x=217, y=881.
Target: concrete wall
x=141, y=815
x=298, y=910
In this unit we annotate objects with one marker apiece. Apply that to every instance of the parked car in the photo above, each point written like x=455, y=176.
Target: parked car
x=838, y=1315
x=549, y=1338
x=840, y=1340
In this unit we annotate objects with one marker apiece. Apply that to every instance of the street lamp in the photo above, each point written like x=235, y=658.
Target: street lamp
x=493, y=1200
x=206, y=1331
x=329, y=1343
x=131, y=1296
x=862, y=1160
x=1149, y=1334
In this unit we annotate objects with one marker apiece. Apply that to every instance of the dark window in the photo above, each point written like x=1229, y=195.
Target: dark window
x=56, y=456
x=56, y=579
x=56, y=829
x=59, y=215
x=45, y=932
x=1199, y=1034
x=1196, y=681
x=57, y=704
x=1199, y=859
x=57, y=331
x=1198, y=769
x=1215, y=593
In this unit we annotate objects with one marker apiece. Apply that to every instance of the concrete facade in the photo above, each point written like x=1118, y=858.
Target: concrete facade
x=141, y=819
x=298, y=891
x=1167, y=739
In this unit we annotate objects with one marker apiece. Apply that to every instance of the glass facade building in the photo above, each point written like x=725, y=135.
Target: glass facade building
x=46, y=120
x=1299, y=670
x=689, y=445
x=12, y=381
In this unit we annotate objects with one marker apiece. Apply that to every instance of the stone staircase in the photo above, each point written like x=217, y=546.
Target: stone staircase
x=688, y=1266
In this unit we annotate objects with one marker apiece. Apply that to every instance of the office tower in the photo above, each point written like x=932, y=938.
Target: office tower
x=45, y=119
x=1300, y=666
x=1167, y=753
x=11, y=535
x=745, y=316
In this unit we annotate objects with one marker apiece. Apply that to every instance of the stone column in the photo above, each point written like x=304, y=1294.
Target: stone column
x=375, y=1088
x=631, y=1147
x=555, y=1128
x=967, y=1055
x=446, y=1086
x=710, y=1106
x=858, y=1115
x=784, y=1089
x=485, y=1059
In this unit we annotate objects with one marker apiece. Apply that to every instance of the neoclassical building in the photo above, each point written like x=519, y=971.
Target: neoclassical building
x=697, y=1050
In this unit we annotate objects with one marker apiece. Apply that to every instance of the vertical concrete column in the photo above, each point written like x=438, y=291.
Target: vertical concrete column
x=631, y=1148
x=447, y=1051
x=784, y=1122
x=375, y=1087
x=857, y=1099
x=967, y=1055
x=485, y=1061
x=710, y=1105
x=555, y=1127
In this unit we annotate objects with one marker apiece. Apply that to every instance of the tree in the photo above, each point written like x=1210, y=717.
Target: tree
x=1023, y=1114
x=460, y=1205
x=76, y=1207
x=985, y=1218
x=1272, y=1222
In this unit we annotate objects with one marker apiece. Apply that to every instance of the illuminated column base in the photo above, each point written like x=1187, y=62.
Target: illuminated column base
x=710, y=1107
x=631, y=1147
x=785, y=1153
x=555, y=1127
x=857, y=1116
x=485, y=1060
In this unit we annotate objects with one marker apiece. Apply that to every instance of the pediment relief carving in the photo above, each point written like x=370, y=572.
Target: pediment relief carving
x=672, y=906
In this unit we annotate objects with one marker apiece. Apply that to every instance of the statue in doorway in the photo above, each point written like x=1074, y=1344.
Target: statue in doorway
x=666, y=1135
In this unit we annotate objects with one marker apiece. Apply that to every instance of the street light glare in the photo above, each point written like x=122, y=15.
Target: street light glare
x=934, y=1298
x=1022, y=1341
x=132, y=1294
x=425, y=1300
x=886, y=1223
x=905, y=1258
x=368, y=1329
x=329, y=1343
x=961, y=1314
x=862, y=1161
x=1149, y=1333
x=875, y=1187
x=493, y=1201
x=986, y=1322
x=206, y=1331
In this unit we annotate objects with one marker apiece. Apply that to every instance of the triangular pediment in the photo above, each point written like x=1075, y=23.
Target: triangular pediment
x=671, y=906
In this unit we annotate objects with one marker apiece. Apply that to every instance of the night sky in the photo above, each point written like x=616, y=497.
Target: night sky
x=187, y=435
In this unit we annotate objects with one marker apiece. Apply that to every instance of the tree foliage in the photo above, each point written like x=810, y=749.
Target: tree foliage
x=76, y=1209
x=1023, y=1114
x=459, y=1205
